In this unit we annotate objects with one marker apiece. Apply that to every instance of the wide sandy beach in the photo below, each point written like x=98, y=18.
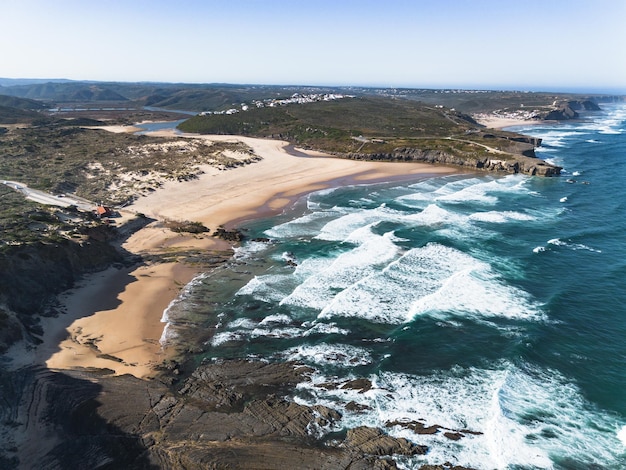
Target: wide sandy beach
x=113, y=318
x=500, y=122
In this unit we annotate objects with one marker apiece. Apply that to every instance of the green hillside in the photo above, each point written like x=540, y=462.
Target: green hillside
x=362, y=124
x=20, y=103
x=64, y=92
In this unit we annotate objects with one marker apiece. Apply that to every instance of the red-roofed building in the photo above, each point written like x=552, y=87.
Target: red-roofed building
x=103, y=211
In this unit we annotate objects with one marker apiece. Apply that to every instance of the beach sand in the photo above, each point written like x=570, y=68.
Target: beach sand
x=113, y=318
x=497, y=122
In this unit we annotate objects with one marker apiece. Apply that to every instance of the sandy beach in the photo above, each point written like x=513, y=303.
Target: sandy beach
x=113, y=318
x=498, y=122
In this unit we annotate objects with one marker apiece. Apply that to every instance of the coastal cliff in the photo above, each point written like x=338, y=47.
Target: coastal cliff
x=377, y=129
x=31, y=275
x=516, y=164
x=567, y=110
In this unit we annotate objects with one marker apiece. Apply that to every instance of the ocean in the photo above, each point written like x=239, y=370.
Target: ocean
x=493, y=306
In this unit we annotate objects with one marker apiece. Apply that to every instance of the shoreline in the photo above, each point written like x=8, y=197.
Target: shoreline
x=113, y=319
x=501, y=122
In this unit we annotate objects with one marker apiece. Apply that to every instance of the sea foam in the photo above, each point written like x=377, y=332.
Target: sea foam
x=508, y=415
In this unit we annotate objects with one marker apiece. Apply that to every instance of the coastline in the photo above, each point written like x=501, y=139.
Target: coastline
x=500, y=122
x=113, y=318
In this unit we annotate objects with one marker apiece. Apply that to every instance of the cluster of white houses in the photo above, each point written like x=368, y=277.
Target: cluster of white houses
x=296, y=98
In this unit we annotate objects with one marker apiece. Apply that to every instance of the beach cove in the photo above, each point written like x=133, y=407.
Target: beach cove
x=125, y=337
x=401, y=320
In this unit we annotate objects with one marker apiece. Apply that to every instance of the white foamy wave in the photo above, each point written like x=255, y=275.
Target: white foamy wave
x=614, y=122
x=267, y=288
x=168, y=332
x=165, y=317
x=288, y=257
x=343, y=227
x=428, y=191
x=476, y=194
x=553, y=161
x=304, y=226
x=245, y=323
x=168, y=335
x=576, y=173
x=322, y=328
x=392, y=236
x=276, y=319
x=475, y=291
x=572, y=246
x=507, y=416
x=415, y=200
x=556, y=138
x=250, y=249
x=433, y=280
x=434, y=216
x=386, y=296
x=621, y=435
x=610, y=122
x=321, y=193
x=473, y=190
x=275, y=287
x=563, y=199
x=272, y=326
x=429, y=185
x=539, y=249
x=500, y=217
x=556, y=419
x=451, y=224
x=609, y=129
x=225, y=337
x=580, y=246
x=319, y=289
x=289, y=332
x=342, y=355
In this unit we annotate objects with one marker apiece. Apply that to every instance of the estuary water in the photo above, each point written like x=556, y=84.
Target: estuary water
x=491, y=306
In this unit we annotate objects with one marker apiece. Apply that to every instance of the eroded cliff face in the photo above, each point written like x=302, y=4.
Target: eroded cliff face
x=511, y=164
x=569, y=110
x=31, y=275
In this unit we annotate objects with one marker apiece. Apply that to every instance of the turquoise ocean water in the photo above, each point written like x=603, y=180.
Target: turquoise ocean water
x=494, y=304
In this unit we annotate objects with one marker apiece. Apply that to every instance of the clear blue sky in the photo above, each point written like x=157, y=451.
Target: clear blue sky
x=525, y=44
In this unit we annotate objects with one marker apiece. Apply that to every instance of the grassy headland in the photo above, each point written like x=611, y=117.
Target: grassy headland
x=374, y=128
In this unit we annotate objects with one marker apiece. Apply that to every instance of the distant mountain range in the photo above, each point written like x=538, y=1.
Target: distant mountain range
x=30, y=81
x=219, y=96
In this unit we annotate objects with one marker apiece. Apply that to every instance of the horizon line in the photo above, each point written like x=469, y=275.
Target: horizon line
x=577, y=89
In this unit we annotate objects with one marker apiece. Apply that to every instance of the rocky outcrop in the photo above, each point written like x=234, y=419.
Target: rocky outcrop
x=228, y=235
x=561, y=113
x=583, y=105
x=506, y=163
x=229, y=414
x=420, y=428
x=373, y=441
x=569, y=110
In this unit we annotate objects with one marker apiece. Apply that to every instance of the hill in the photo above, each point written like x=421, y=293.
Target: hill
x=64, y=91
x=11, y=115
x=20, y=103
x=379, y=128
